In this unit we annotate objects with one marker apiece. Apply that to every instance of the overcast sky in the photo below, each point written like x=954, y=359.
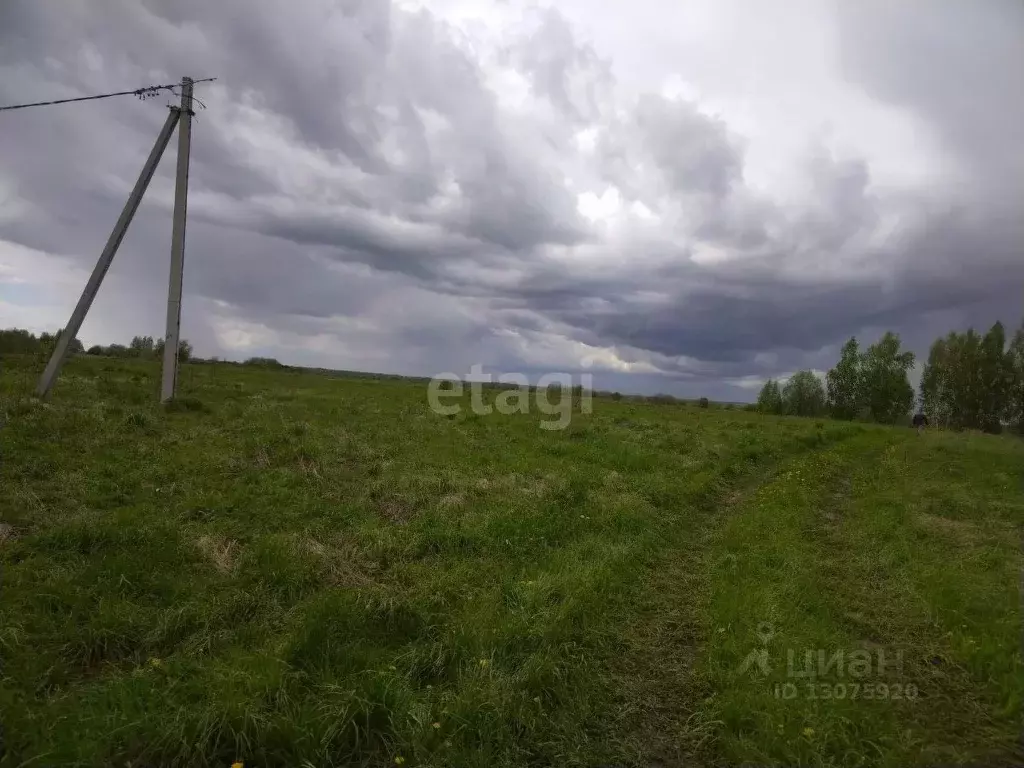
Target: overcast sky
x=685, y=196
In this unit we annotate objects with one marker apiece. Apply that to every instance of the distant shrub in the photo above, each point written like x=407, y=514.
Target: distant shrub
x=17, y=341
x=616, y=396
x=142, y=346
x=704, y=402
x=263, y=362
x=750, y=407
x=661, y=398
x=729, y=406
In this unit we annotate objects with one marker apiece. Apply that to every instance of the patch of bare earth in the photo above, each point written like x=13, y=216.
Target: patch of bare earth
x=531, y=486
x=831, y=512
x=7, y=532
x=220, y=551
x=395, y=509
x=309, y=466
x=261, y=457
x=341, y=561
x=451, y=501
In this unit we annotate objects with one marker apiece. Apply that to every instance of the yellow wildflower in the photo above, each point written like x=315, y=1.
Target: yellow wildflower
x=436, y=726
x=399, y=760
x=808, y=732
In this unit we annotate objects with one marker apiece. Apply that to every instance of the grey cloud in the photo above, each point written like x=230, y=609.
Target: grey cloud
x=668, y=145
x=432, y=211
x=695, y=153
x=560, y=68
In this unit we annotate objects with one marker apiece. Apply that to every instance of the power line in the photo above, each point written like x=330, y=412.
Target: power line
x=143, y=93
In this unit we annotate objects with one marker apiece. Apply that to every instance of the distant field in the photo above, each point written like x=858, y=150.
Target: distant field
x=292, y=569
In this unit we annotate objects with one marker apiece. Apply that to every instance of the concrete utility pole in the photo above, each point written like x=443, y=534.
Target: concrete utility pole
x=170, y=369
x=70, y=331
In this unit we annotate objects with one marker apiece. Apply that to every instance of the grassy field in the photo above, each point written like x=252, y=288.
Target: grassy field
x=291, y=569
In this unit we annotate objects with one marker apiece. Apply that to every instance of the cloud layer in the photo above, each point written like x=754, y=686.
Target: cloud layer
x=387, y=187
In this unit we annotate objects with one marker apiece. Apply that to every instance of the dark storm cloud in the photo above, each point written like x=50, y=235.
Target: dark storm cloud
x=958, y=70
x=694, y=153
x=354, y=151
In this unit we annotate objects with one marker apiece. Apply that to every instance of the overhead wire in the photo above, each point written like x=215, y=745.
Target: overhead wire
x=143, y=93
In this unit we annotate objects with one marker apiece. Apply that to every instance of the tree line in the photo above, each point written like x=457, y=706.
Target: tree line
x=975, y=382
x=17, y=341
x=970, y=381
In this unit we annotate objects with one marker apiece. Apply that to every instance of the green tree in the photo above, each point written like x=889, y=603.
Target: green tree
x=963, y=379
x=770, y=398
x=804, y=395
x=17, y=341
x=1015, y=381
x=936, y=392
x=49, y=343
x=885, y=385
x=844, y=383
x=970, y=381
x=184, y=350
x=993, y=379
x=142, y=346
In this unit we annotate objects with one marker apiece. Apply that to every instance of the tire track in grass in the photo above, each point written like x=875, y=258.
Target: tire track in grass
x=766, y=597
x=661, y=721
x=831, y=639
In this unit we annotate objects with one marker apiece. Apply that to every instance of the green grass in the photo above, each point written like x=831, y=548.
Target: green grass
x=290, y=569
